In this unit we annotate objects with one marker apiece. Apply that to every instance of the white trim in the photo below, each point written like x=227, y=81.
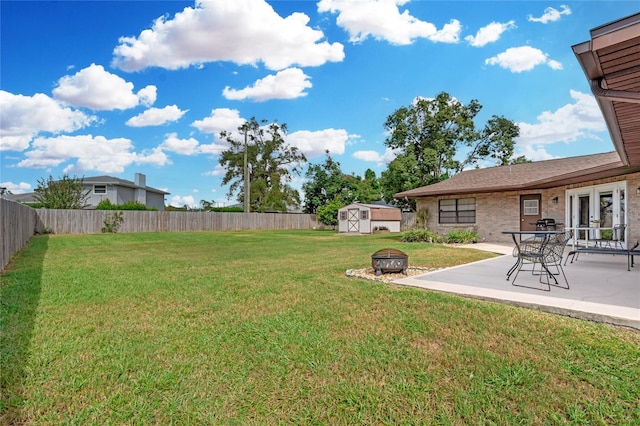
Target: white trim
x=620, y=212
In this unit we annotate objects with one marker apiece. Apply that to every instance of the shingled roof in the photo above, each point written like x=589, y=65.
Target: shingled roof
x=535, y=175
x=110, y=180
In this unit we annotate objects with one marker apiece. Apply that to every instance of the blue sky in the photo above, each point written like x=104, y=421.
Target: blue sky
x=91, y=88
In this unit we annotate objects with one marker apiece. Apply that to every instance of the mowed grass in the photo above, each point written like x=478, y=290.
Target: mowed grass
x=265, y=328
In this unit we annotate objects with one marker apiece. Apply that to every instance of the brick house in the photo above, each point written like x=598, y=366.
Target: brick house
x=573, y=191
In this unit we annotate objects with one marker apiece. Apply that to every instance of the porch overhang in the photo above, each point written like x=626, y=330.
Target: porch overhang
x=611, y=62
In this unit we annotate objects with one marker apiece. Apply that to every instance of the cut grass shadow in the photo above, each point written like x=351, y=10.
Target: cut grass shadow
x=20, y=288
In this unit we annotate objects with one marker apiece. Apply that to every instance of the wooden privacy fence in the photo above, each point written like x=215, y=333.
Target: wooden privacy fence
x=408, y=221
x=92, y=221
x=17, y=223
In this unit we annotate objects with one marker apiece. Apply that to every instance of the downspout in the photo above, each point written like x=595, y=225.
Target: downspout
x=613, y=95
x=606, y=98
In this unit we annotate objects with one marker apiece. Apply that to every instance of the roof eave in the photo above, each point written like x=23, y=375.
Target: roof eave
x=605, y=36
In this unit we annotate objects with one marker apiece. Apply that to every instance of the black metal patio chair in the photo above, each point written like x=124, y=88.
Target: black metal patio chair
x=544, y=256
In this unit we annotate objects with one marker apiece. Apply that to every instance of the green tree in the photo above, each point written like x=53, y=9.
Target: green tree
x=328, y=213
x=271, y=166
x=206, y=205
x=65, y=193
x=322, y=183
x=495, y=141
x=400, y=176
x=368, y=189
x=519, y=160
x=430, y=134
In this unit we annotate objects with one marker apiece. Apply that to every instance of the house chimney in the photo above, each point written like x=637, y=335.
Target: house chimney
x=140, y=180
x=141, y=188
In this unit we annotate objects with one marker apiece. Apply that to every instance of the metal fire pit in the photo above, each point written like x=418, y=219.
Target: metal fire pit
x=389, y=260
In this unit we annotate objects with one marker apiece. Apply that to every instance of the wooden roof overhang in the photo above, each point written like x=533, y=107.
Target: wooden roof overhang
x=611, y=62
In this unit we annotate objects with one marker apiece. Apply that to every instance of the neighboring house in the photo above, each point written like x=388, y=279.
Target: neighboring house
x=366, y=218
x=573, y=191
x=116, y=190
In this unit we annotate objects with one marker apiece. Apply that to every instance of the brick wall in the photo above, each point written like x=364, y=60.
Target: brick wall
x=499, y=211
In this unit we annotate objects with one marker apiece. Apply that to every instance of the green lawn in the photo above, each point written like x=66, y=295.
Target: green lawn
x=265, y=328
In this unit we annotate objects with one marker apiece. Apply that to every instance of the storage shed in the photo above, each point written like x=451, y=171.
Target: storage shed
x=366, y=218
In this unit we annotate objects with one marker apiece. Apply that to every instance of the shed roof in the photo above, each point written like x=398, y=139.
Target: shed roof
x=371, y=206
x=535, y=175
x=611, y=62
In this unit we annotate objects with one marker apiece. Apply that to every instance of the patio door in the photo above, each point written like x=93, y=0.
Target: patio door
x=604, y=203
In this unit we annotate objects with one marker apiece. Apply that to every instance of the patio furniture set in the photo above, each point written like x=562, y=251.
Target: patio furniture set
x=542, y=253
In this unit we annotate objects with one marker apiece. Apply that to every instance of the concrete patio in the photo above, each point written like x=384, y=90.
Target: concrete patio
x=601, y=290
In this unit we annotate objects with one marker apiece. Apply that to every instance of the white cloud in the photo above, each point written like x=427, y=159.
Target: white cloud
x=450, y=33
x=91, y=154
x=554, y=65
x=147, y=95
x=240, y=31
x=156, y=116
x=23, y=117
x=286, y=84
x=375, y=157
x=580, y=119
x=16, y=188
x=535, y=152
x=181, y=146
x=179, y=201
x=212, y=148
x=315, y=143
x=489, y=33
x=523, y=58
x=155, y=157
x=551, y=14
x=220, y=119
x=382, y=20
x=217, y=171
x=95, y=88
x=188, y=146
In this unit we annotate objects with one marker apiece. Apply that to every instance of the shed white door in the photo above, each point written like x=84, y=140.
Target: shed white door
x=354, y=220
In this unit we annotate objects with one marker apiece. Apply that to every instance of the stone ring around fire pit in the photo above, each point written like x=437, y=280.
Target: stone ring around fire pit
x=389, y=260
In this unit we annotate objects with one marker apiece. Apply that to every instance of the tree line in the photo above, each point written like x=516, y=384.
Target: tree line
x=433, y=139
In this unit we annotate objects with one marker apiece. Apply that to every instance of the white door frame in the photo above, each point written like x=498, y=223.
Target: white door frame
x=619, y=210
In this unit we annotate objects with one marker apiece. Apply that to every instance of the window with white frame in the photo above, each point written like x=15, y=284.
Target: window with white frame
x=364, y=215
x=531, y=207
